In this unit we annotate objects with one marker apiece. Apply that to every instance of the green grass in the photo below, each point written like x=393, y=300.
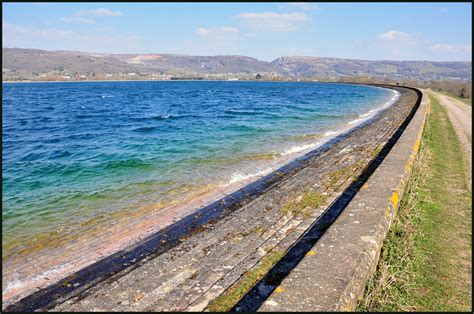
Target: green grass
x=425, y=262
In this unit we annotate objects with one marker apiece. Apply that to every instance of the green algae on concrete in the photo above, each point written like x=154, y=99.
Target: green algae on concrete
x=232, y=295
x=309, y=199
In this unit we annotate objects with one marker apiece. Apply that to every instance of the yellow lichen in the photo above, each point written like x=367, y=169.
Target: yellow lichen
x=279, y=289
x=394, y=199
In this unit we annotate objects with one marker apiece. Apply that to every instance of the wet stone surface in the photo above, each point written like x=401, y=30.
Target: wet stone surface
x=218, y=255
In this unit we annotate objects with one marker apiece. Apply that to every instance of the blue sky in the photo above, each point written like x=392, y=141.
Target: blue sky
x=372, y=31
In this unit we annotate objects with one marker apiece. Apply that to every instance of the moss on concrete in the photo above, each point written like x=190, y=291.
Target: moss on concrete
x=232, y=295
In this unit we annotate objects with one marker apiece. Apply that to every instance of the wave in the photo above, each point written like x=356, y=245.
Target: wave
x=239, y=177
x=299, y=148
x=366, y=114
x=373, y=112
x=145, y=129
x=330, y=133
x=166, y=117
x=242, y=112
x=309, y=136
x=15, y=283
x=161, y=117
x=245, y=128
x=355, y=121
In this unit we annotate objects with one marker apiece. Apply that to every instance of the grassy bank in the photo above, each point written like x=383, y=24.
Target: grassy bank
x=425, y=263
x=467, y=101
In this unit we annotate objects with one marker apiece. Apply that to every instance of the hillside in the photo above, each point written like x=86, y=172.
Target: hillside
x=321, y=67
x=33, y=64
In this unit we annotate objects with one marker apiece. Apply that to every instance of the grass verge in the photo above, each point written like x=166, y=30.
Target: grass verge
x=425, y=262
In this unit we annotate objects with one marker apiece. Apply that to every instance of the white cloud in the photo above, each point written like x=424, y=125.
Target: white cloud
x=202, y=31
x=78, y=20
x=217, y=31
x=12, y=32
x=273, y=22
x=229, y=29
x=305, y=6
x=451, y=48
x=100, y=12
x=59, y=39
x=398, y=45
x=396, y=36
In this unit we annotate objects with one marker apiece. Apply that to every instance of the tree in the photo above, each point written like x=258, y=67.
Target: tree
x=258, y=76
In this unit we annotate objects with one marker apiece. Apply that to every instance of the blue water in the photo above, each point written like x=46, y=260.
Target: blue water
x=73, y=152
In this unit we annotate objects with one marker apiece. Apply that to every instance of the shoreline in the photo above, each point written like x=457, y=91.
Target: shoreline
x=222, y=255
x=167, y=80
x=188, y=80
x=181, y=211
x=296, y=152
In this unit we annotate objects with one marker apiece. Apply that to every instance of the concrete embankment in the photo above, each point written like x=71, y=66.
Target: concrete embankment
x=333, y=274
x=232, y=246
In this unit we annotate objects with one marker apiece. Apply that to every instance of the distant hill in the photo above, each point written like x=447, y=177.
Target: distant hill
x=199, y=64
x=33, y=64
x=314, y=66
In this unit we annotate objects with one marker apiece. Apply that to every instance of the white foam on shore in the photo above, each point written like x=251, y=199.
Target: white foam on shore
x=299, y=148
x=239, y=177
x=15, y=283
x=331, y=133
x=366, y=114
x=356, y=121
x=371, y=113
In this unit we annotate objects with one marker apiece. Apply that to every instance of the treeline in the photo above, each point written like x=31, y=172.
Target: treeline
x=459, y=88
x=462, y=89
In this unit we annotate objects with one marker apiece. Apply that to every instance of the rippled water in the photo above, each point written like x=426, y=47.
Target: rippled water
x=75, y=154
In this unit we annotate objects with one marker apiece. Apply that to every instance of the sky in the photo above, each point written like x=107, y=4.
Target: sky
x=266, y=31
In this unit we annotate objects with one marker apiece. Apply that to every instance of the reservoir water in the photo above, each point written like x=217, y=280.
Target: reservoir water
x=82, y=162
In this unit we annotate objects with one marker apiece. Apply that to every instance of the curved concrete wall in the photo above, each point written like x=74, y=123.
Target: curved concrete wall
x=333, y=274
